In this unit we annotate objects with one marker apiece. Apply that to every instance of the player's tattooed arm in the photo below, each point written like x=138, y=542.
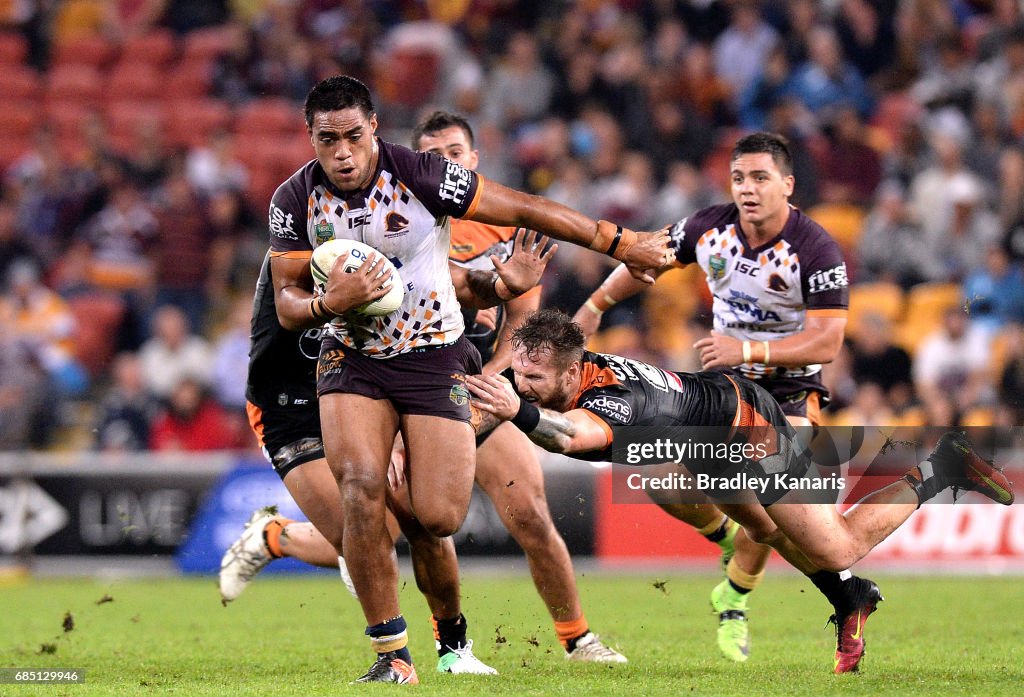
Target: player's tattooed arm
x=554, y=432
x=570, y=432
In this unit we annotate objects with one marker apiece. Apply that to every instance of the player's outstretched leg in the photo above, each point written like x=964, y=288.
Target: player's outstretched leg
x=955, y=463
x=860, y=597
x=250, y=553
x=268, y=536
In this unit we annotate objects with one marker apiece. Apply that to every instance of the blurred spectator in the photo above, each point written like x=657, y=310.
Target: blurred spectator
x=191, y=422
x=701, y=87
x=771, y=85
x=827, y=81
x=867, y=35
x=852, y=168
x=126, y=409
x=216, y=168
x=182, y=16
x=26, y=399
x=1001, y=79
x=741, y=50
x=231, y=358
x=994, y=294
x=989, y=141
x=36, y=317
x=678, y=134
x=628, y=196
x=183, y=249
x=13, y=247
x=972, y=229
x=800, y=17
x=173, y=353
x=120, y=236
x=953, y=361
x=868, y=408
x=877, y=360
x=949, y=81
x=684, y=192
x=1011, y=379
x=892, y=246
x=520, y=87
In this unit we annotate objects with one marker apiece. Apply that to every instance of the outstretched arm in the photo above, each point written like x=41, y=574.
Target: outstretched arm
x=574, y=431
x=642, y=252
x=620, y=285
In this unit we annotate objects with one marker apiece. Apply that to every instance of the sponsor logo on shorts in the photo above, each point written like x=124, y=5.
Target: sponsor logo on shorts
x=612, y=407
x=282, y=224
x=330, y=363
x=324, y=232
x=282, y=399
x=462, y=248
x=459, y=395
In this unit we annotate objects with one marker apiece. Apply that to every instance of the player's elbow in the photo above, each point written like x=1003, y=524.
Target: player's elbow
x=289, y=323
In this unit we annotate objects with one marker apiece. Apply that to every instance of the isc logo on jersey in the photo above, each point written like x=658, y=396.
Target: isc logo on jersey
x=282, y=225
x=612, y=407
x=828, y=279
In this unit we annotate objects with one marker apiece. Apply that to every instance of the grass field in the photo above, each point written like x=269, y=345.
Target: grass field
x=303, y=637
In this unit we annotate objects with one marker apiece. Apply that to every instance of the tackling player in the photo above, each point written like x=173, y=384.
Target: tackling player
x=558, y=397
x=505, y=455
x=780, y=299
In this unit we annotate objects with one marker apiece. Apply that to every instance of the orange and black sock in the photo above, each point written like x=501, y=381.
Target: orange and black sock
x=571, y=631
x=272, y=535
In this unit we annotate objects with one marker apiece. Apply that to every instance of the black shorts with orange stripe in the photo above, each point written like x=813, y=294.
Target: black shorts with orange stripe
x=802, y=396
x=288, y=433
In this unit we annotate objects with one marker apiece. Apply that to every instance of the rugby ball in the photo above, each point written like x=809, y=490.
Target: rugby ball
x=327, y=254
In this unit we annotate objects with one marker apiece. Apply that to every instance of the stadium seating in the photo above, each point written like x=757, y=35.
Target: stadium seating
x=926, y=304
x=844, y=221
x=20, y=83
x=156, y=48
x=881, y=298
x=93, y=51
x=82, y=84
x=129, y=80
x=13, y=48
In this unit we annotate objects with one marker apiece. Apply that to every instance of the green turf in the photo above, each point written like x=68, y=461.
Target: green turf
x=303, y=637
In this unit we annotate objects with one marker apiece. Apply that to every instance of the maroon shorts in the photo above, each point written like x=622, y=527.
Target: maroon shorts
x=429, y=381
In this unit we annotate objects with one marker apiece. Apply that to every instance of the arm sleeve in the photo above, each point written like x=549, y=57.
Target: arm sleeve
x=683, y=241
x=287, y=219
x=442, y=186
x=823, y=276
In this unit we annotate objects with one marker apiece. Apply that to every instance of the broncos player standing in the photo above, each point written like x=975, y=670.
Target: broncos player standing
x=780, y=300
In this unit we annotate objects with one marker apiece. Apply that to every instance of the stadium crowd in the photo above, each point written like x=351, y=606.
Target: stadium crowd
x=140, y=143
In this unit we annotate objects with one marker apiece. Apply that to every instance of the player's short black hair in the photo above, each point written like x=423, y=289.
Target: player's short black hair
x=438, y=121
x=553, y=331
x=772, y=143
x=337, y=93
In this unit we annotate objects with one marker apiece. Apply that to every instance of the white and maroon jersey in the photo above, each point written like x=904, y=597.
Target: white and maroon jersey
x=764, y=293
x=404, y=214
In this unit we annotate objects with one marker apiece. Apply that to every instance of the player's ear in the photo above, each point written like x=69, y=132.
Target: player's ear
x=790, y=181
x=474, y=159
x=373, y=123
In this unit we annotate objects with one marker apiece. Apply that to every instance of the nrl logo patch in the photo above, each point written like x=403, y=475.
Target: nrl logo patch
x=324, y=232
x=716, y=266
x=282, y=399
x=459, y=395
